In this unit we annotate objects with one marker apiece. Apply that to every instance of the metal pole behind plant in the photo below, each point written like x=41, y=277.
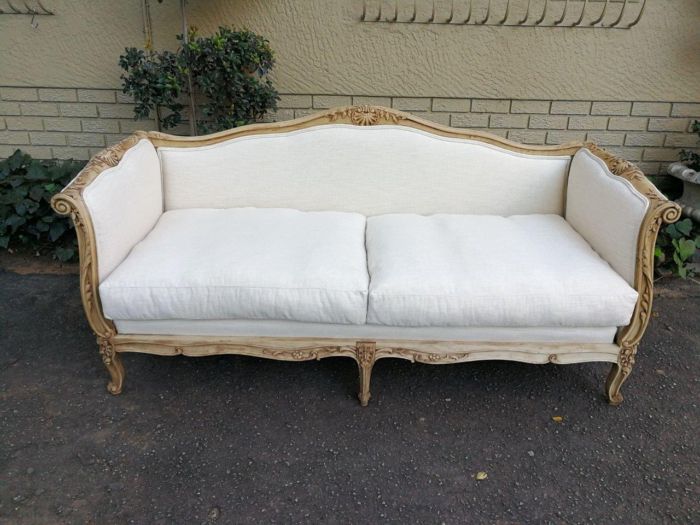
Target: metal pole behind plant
x=186, y=41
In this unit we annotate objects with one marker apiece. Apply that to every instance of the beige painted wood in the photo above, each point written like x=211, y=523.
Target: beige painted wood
x=366, y=353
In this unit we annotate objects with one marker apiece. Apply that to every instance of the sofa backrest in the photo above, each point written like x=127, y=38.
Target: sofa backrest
x=366, y=169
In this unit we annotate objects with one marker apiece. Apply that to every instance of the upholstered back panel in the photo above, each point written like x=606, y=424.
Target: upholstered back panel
x=124, y=204
x=606, y=210
x=370, y=170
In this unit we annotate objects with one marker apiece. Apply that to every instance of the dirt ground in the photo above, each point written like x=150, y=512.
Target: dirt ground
x=243, y=440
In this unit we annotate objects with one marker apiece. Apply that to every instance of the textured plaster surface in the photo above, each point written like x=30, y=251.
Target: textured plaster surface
x=323, y=48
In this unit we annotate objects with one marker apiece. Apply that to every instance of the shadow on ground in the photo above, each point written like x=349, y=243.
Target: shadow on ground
x=245, y=440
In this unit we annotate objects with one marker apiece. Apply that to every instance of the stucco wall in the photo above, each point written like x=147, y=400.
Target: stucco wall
x=634, y=91
x=323, y=48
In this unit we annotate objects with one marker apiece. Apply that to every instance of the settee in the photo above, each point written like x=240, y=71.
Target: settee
x=367, y=233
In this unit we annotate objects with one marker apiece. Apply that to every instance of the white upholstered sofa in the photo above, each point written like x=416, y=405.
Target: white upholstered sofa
x=367, y=233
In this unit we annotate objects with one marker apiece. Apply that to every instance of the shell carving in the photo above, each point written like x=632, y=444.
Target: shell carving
x=365, y=115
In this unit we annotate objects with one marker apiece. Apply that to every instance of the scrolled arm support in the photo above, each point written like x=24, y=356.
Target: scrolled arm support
x=661, y=211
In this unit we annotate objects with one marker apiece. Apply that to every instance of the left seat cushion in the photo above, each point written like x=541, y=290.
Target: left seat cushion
x=244, y=263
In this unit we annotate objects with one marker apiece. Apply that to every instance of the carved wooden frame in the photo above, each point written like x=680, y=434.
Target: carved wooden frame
x=111, y=343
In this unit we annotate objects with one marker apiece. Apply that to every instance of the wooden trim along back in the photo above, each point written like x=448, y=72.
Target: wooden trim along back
x=111, y=344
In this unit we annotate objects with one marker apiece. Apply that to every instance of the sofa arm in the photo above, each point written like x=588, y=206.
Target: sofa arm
x=619, y=212
x=114, y=202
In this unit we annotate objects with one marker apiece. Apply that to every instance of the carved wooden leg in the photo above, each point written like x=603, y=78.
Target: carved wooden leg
x=619, y=373
x=365, y=362
x=113, y=361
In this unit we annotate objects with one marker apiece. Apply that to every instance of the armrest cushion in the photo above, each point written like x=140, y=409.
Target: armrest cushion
x=606, y=210
x=124, y=203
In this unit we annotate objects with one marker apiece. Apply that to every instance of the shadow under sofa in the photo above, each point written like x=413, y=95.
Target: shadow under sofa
x=367, y=233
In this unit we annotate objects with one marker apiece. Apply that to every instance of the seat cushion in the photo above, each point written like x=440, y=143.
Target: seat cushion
x=244, y=263
x=483, y=270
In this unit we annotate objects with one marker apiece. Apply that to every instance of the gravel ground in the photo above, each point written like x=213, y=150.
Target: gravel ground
x=244, y=440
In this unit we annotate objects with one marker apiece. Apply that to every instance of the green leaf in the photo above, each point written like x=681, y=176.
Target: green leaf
x=36, y=171
x=64, y=254
x=684, y=227
x=4, y=241
x=56, y=230
x=686, y=248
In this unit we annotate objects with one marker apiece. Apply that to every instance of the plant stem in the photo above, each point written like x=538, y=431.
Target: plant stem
x=186, y=36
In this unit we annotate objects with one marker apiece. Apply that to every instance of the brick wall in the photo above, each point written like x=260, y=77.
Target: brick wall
x=76, y=123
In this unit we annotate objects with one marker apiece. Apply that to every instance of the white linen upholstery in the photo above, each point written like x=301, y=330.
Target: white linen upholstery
x=369, y=170
x=124, y=203
x=606, y=210
x=263, y=328
x=469, y=270
x=244, y=264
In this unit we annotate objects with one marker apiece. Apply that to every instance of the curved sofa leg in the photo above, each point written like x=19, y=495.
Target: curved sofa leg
x=619, y=373
x=365, y=361
x=113, y=361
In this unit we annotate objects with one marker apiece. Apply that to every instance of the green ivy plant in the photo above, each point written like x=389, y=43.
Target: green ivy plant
x=26, y=217
x=229, y=73
x=675, y=247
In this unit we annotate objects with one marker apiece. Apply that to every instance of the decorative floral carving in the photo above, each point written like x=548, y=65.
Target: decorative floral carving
x=366, y=115
x=366, y=353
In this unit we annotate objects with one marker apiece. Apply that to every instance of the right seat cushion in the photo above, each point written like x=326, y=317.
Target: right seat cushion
x=485, y=270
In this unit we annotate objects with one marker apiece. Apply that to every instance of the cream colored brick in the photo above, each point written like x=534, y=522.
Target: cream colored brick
x=508, y=121
x=631, y=154
x=62, y=124
x=123, y=98
x=644, y=139
x=611, y=108
x=9, y=108
x=38, y=152
x=482, y=105
x=131, y=125
x=86, y=139
x=14, y=137
x=47, y=138
x=6, y=151
x=24, y=123
x=605, y=138
x=470, y=120
x=304, y=112
x=530, y=106
x=564, y=107
x=78, y=110
x=115, y=110
x=372, y=101
x=451, y=104
x=411, y=104
x=685, y=110
x=560, y=137
x=98, y=125
x=45, y=109
x=23, y=94
x=669, y=124
x=498, y=132
x=331, y=101
x=57, y=95
x=278, y=116
x=651, y=109
x=97, y=95
x=113, y=138
x=295, y=101
x=661, y=154
x=3, y=125
x=628, y=123
x=527, y=136
x=588, y=122
x=71, y=153
x=681, y=140
x=439, y=118
x=548, y=122
x=651, y=168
